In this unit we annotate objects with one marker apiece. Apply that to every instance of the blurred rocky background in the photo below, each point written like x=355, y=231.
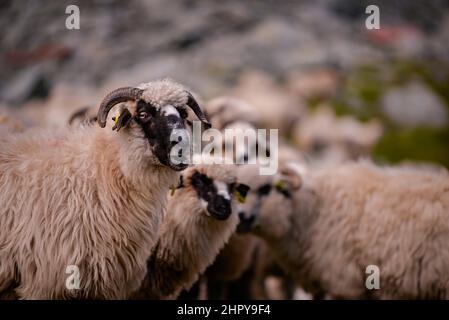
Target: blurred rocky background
x=313, y=61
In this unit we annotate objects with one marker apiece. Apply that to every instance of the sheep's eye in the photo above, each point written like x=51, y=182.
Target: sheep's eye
x=143, y=115
x=264, y=190
x=319, y=146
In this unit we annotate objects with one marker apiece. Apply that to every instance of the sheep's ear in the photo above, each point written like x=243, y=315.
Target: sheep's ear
x=79, y=114
x=180, y=182
x=241, y=191
x=122, y=119
x=290, y=178
x=193, y=104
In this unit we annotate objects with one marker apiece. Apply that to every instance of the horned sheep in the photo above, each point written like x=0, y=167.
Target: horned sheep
x=90, y=198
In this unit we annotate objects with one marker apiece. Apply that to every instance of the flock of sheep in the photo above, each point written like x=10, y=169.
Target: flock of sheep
x=137, y=225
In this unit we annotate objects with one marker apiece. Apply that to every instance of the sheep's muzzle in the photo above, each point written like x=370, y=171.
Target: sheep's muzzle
x=219, y=207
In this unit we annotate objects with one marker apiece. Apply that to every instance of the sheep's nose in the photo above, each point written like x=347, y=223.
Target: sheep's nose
x=178, y=158
x=246, y=222
x=173, y=143
x=223, y=205
x=219, y=207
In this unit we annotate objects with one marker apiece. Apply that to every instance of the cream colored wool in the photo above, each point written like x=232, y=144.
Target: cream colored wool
x=348, y=217
x=83, y=198
x=235, y=258
x=86, y=197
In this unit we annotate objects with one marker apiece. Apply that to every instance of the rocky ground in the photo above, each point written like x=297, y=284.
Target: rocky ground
x=399, y=73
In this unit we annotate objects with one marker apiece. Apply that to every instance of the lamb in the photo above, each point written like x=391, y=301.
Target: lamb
x=337, y=221
x=240, y=269
x=90, y=198
x=198, y=222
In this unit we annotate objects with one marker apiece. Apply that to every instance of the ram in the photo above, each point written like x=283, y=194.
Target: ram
x=198, y=222
x=90, y=199
x=338, y=221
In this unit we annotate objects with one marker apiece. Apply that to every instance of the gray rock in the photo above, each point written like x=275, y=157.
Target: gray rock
x=30, y=83
x=415, y=105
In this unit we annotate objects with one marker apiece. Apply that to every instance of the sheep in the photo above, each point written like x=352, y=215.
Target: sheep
x=226, y=110
x=55, y=111
x=88, y=198
x=329, y=139
x=198, y=222
x=230, y=113
x=314, y=83
x=226, y=277
x=269, y=277
x=326, y=226
x=240, y=269
x=276, y=108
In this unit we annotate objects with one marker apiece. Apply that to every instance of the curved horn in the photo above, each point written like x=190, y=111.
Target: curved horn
x=114, y=97
x=191, y=102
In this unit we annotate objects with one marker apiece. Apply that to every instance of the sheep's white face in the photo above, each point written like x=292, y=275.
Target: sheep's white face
x=216, y=197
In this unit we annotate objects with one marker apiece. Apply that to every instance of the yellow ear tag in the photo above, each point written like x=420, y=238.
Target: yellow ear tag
x=173, y=190
x=280, y=185
x=240, y=197
x=117, y=115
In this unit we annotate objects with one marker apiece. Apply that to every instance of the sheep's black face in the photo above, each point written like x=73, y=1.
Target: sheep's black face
x=215, y=195
x=158, y=124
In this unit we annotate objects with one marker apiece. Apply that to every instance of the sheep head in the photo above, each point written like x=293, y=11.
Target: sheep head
x=270, y=201
x=156, y=108
x=216, y=189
